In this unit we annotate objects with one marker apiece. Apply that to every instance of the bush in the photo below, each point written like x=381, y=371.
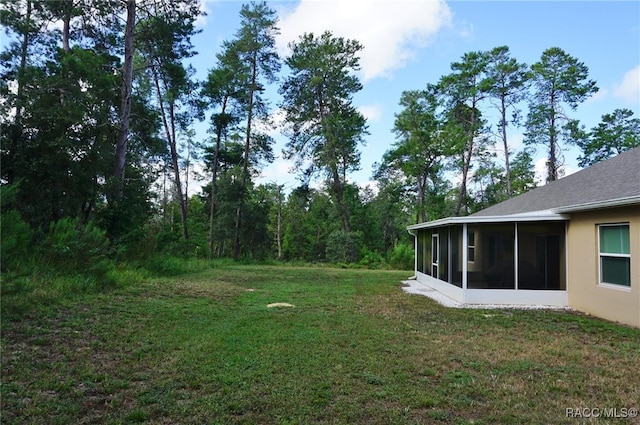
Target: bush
x=73, y=248
x=372, y=260
x=342, y=247
x=166, y=265
x=402, y=257
x=138, y=246
x=15, y=242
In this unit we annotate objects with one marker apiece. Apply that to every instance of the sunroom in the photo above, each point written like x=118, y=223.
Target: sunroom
x=519, y=259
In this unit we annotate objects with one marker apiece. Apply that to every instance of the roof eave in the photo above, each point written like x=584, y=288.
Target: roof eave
x=588, y=206
x=511, y=218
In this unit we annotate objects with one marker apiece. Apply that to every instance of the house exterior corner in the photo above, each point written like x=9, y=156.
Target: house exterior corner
x=573, y=242
x=587, y=289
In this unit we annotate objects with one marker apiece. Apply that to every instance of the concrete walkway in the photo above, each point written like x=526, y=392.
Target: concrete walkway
x=412, y=286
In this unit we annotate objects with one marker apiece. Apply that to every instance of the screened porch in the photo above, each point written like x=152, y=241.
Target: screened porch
x=495, y=262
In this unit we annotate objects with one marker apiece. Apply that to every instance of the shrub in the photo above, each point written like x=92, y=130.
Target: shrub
x=342, y=247
x=166, y=265
x=372, y=260
x=71, y=247
x=402, y=257
x=139, y=245
x=15, y=241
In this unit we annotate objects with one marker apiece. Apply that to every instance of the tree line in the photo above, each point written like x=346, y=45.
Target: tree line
x=98, y=143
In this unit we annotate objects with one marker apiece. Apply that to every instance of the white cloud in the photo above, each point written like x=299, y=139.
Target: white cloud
x=540, y=167
x=629, y=87
x=466, y=30
x=516, y=141
x=278, y=172
x=273, y=126
x=601, y=94
x=372, y=113
x=201, y=20
x=568, y=170
x=372, y=185
x=196, y=184
x=391, y=32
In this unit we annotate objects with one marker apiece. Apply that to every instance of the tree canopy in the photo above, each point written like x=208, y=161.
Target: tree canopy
x=98, y=139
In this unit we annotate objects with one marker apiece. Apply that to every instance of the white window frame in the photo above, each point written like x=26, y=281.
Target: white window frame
x=471, y=248
x=435, y=254
x=612, y=255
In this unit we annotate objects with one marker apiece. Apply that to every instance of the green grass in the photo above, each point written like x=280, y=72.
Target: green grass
x=204, y=348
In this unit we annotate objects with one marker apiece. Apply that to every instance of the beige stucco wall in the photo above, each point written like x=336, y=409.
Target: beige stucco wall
x=584, y=292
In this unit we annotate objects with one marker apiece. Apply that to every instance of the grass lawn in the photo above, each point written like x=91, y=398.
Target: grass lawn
x=204, y=348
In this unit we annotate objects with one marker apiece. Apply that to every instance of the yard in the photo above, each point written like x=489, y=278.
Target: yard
x=205, y=348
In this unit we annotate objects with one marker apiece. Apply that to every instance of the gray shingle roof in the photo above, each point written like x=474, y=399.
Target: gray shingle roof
x=614, y=179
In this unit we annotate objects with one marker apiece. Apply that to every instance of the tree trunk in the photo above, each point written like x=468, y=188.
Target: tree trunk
x=279, y=222
x=170, y=132
x=507, y=165
x=552, y=163
x=176, y=170
x=421, y=215
x=338, y=185
x=214, y=178
x=466, y=159
x=126, y=96
x=342, y=206
x=16, y=135
x=466, y=163
x=66, y=30
x=462, y=192
x=236, y=234
x=245, y=162
x=24, y=48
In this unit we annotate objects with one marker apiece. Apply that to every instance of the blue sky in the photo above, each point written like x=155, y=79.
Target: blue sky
x=411, y=43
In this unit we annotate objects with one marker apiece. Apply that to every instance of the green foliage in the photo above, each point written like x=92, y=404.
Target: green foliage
x=73, y=248
x=464, y=91
x=15, y=241
x=402, y=257
x=496, y=186
x=166, y=265
x=558, y=80
x=42, y=287
x=306, y=225
x=372, y=260
x=15, y=233
x=122, y=217
x=65, y=105
x=616, y=133
x=420, y=150
x=257, y=57
x=343, y=247
x=139, y=245
x=509, y=82
x=325, y=128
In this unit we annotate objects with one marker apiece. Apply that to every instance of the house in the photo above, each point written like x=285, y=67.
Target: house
x=574, y=242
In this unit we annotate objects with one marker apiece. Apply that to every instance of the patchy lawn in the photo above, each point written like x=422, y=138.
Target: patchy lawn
x=351, y=348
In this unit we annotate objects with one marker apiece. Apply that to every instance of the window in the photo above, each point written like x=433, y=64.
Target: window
x=615, y=254
x=471, y=246
x=435, y=255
